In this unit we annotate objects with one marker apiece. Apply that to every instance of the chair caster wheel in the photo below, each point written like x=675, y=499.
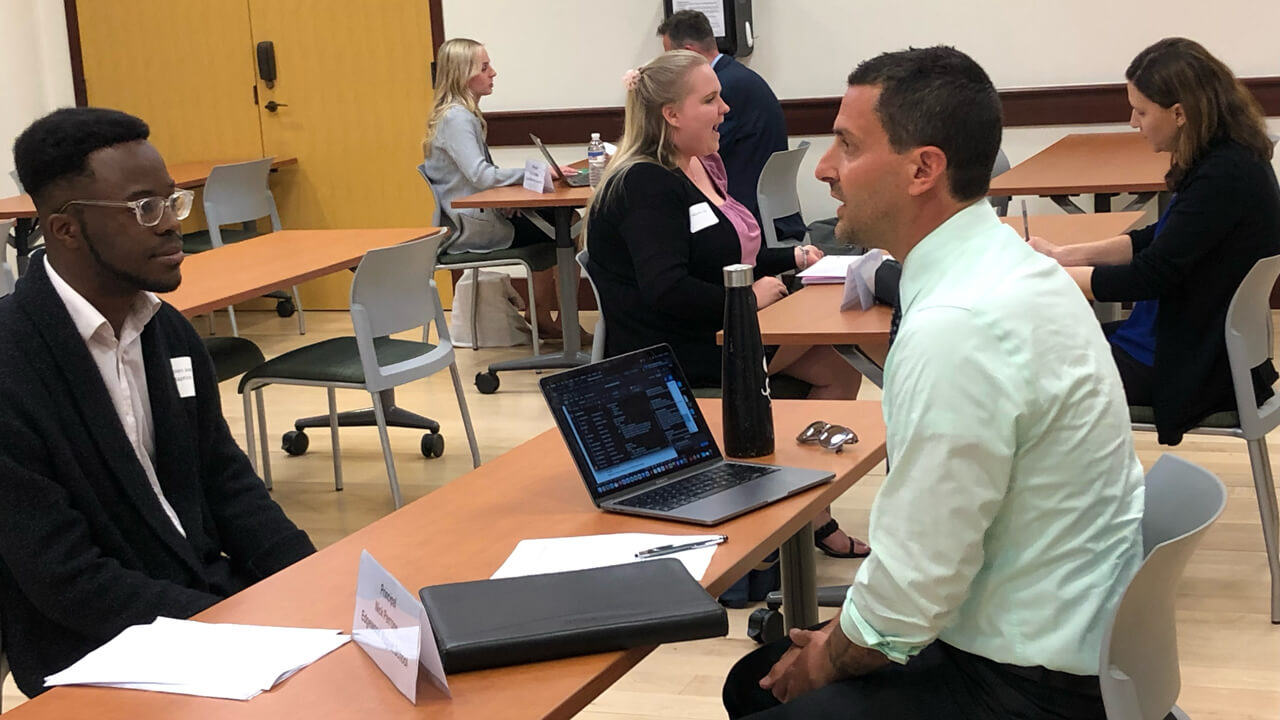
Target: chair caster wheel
x=487, y=382
x=765, y=626
x=295, y=442
x=285, y=307
x=432, y=445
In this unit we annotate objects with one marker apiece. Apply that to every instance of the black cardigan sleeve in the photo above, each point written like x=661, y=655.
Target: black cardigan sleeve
x=47, y=544
x=1207, y=208
x=255, y=533
x=655, y=228
x=1141, y=238
x=773, y=261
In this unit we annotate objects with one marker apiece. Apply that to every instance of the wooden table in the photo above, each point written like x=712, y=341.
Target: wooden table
x=186, y=175
x=1104, y=164
x=240, y=271
x=562, y=201
x=812, y=315
x=464, y=531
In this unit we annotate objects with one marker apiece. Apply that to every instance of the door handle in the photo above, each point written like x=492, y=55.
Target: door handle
x=272, y=105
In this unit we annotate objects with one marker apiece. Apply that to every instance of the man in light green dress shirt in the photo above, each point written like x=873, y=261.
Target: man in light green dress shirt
x=1010, y=522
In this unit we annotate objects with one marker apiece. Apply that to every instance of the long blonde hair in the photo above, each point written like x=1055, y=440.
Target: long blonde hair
x=457, y=61
x=646, y=136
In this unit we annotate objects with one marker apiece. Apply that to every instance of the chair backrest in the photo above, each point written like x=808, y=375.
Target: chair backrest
x=392, y=292
x=776, y=191
x=597, y=342
x=1000, y=202
x=1138, y=671
x=16, y=180
x=436, y=213
x=1249, y=343
x=6, y=273
x=238, y=193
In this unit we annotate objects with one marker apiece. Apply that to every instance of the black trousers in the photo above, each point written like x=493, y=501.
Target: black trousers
x=941, y=683
x=1138, y=379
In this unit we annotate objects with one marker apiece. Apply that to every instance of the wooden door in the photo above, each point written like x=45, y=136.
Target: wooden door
x=354, y=78
x=354, y=83
x=186, y=68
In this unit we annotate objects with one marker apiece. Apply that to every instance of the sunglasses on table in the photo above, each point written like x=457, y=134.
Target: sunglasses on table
x=826, y=435
x=149, y=211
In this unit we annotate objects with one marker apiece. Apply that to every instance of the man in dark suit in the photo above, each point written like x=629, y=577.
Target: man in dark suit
x=753, y=130
x=125, y=496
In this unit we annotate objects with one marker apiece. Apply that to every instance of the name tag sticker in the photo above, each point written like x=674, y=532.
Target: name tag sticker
x=701, y=216
x=184, y=376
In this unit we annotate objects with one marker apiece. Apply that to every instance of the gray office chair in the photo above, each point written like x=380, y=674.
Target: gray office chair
x=597, y=342
x=1000, y=202
x=392, y=292
x=6, y=273
x=32, y=241
x=776, y=191
x=239, y=193
x=541, y=256
x=1249, y=343
x=1138, y=668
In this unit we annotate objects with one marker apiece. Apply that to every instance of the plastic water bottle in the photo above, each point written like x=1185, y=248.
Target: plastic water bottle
x=595, y=159
x=746, y=408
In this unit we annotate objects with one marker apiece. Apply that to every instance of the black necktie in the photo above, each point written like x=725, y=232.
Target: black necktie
x=893, y=325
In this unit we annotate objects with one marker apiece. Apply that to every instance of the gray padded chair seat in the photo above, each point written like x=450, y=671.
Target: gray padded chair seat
x=334, y=361
x=232, y=355
x=1225, y=419
x=539, y=257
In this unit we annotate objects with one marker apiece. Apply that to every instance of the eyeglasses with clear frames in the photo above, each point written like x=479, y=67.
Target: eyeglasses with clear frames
x=149, y=211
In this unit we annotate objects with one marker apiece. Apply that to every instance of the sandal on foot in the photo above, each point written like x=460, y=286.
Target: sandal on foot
x=827, y=531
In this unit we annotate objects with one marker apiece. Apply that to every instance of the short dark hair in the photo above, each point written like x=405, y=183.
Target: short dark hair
x=56, y=146
x=688, y=27
x=939, y=96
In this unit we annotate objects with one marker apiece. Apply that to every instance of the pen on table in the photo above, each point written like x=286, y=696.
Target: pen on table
x=1026, y=226
x=672, y=549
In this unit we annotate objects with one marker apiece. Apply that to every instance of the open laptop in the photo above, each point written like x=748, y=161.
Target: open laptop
x=582, y=178
x=643, y=448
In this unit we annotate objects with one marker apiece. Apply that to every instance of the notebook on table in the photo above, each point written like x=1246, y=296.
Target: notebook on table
x=493, y=623
x=642, y=446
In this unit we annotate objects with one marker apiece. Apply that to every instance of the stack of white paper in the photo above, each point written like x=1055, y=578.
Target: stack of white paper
x=549, y=555
x=829, y=270
x=235, y=662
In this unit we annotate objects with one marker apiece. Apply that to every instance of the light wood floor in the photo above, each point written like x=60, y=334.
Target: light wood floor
x=1229, y=651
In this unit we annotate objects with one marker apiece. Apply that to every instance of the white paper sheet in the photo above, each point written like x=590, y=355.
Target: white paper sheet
x=195, y=658
x=547, y=555
x=829, y=270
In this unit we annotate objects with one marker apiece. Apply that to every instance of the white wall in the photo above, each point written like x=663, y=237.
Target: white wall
x=547, y=58
x=35, y=71
x=805, y=48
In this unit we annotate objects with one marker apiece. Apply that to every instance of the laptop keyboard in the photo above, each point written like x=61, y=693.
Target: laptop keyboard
x=695, y=487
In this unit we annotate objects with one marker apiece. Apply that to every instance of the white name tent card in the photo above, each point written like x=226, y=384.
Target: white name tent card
x=537, y=177
x=391, y=626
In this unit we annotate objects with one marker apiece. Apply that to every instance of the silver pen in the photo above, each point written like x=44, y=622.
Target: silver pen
x=672, y=549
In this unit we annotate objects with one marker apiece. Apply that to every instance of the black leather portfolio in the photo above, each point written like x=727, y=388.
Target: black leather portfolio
x=491, y=623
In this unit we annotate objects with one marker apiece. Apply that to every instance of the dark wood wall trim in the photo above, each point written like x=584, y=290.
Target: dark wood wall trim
x=1063, y=105
x=73, y=45
x=435, y=8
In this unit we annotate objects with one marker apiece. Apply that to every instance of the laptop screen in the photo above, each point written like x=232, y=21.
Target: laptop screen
x=629, y=419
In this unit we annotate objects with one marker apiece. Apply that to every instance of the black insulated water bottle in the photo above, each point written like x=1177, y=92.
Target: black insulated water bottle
x=746, y=408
